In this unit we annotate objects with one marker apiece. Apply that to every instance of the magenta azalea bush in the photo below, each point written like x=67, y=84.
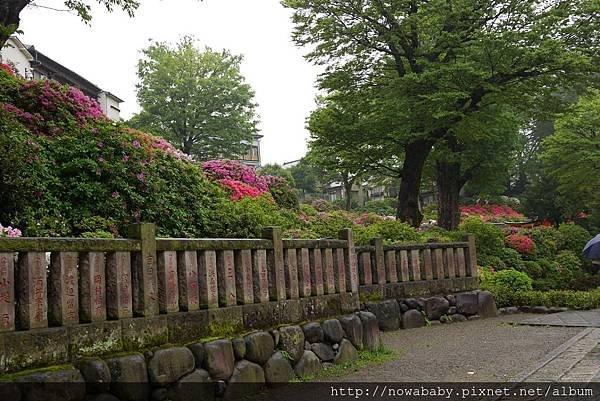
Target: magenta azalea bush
x=9, y=232
x=235, y=171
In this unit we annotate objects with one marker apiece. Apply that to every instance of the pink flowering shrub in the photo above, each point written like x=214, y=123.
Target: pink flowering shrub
x=239, y=190
x=7, y=68
x=520, y=243
x=49, y=108
x=235, y=171
x=9, y=232
x=491, y=213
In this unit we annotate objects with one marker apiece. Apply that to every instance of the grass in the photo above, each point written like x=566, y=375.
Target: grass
x=365, y=359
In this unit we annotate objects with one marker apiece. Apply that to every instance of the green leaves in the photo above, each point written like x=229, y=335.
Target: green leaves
x=197, y=99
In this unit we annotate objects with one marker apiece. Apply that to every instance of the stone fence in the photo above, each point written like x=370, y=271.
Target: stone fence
x=397, y=271
x=64, y=298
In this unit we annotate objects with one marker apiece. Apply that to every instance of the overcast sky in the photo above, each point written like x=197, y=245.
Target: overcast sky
x=106, y=53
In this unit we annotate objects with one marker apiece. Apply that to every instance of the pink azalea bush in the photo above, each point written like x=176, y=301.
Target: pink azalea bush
x=239, y=190
x=520, y=243
x=491, y=213
x=235, y=171
x=9, y=232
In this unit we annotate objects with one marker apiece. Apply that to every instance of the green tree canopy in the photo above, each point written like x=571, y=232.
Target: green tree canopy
x=445, y=64
x=197, y=99
x=572, y=155
x=278, y=171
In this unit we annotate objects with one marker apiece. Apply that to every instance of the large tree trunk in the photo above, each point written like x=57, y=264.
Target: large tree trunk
x=9, y=18
x=449, y=183
x=415, y=155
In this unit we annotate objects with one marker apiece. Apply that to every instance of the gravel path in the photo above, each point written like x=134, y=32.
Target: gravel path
x=492, y=349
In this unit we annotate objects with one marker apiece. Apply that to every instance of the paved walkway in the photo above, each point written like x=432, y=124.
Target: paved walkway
x=474, y=351
x=589, y=318
x=577, y=360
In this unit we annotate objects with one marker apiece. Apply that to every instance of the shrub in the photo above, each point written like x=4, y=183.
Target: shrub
x=327, y=225
x=520, y=243
x=247, y=217
x=282, y=192
x=438, y=234
x=585, y=282
x=488, y=239
x=491, y=213
x=532, y=269
x=76, y=172
x=235, y=171
x=561, y=298
x=569, y=265
x=385, y=207
x=393, y=231
x=546, y=241
x=573, y=238
x=493, y=262
x=510, y=280
x=511, y=258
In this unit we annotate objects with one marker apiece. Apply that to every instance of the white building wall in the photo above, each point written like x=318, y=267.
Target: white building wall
x=11, y=54
x=110, y=105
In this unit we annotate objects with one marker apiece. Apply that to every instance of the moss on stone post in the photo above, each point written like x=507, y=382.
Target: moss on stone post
x=275, y=264
x=144, y=275
x=378, y=261
x=350, y=259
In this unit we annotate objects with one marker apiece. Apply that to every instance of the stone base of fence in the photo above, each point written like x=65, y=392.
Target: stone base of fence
x=418, y=288
x=58, y=345
x=221, y=368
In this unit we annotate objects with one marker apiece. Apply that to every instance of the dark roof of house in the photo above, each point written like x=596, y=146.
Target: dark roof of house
x=61, y=73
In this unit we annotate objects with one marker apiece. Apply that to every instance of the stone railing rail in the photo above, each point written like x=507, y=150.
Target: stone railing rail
x=97, y=280
x=390, y=264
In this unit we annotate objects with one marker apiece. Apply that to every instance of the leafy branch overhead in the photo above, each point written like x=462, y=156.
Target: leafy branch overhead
x=10, y=11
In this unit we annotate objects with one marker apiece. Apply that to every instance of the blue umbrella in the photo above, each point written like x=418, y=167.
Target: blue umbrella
x=592, y=248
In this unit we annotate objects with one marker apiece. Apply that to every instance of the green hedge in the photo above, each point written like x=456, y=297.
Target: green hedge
x=567, y=298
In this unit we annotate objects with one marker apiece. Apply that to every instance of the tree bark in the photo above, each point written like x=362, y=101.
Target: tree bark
x=449, y=183
x=348, y=189
x=9, y=18
x=415, y=155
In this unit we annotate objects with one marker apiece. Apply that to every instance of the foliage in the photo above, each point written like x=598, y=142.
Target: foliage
x=521, y=243
x=307, y=176
x=10, y=12
x=561, y=298
x=277, y=171
x=284, y=194
x=546, y=241
x=198, y=100
x=488, y=239
x=509, y=280
x=569, y=265
x=94, y=176
x=511, y=259
x=384, y=207
x=430, y=74
x=571, y=157
x=573, y=238
x=492, y=213
x=247, y=217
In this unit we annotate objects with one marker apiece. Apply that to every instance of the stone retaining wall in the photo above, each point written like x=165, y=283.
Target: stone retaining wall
x=229, y=368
